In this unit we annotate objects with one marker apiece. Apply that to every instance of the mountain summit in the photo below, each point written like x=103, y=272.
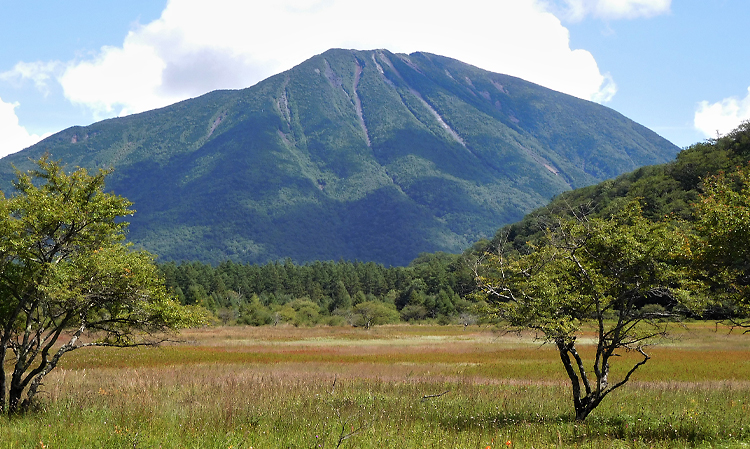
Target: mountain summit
x=365, y=155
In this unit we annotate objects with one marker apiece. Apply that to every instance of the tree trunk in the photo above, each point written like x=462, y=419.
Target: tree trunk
x=14, y=398
x=585, y=399
x=3, y=405
x=586, y=405
x=17, y=385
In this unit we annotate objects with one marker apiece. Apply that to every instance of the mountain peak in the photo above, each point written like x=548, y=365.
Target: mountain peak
x=352, y=154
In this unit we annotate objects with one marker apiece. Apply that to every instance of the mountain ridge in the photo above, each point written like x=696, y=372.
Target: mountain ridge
x=352, y=154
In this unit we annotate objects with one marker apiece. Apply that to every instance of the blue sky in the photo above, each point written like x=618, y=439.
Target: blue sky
x=681, y=67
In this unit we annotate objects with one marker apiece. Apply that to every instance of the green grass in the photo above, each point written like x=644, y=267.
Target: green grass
x=271, y=387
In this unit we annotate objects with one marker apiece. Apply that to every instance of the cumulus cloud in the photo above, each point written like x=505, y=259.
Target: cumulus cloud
x=41, y=73
x=723, y=116
x=119, y=81
x=615, y=9
x=14, y=137
x=196, y=47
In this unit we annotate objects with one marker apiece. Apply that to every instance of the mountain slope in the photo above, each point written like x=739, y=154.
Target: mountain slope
x=363, y=155
x=665, y=191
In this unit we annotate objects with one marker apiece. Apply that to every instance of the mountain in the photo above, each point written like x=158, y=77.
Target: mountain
x=363, y=155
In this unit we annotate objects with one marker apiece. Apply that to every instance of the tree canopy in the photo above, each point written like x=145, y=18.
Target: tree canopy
x=723, y=254
x=66, y=274
x=591, y=274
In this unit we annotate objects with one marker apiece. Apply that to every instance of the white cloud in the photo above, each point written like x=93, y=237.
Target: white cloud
x=40, y=73
x=196, y=47
x=615, y=9
x=119, y=81
x=723, y=116
x=14, y=137
x=607, y=90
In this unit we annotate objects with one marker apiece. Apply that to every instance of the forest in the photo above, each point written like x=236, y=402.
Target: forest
x=433, y=288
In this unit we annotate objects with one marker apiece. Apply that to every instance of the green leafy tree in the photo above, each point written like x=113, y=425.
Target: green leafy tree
x=723, y=253
x=445, y=303
x=64, y=272
x=307, y=312
x=254, y=313
x=591, y=273
x=359, y=297
x=341, y=298
x=371, y=313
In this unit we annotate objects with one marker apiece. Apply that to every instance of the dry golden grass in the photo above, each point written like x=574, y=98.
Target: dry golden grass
x=308, y=387
x=698, y=352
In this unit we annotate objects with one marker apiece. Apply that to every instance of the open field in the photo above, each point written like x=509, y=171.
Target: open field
x=242, y=387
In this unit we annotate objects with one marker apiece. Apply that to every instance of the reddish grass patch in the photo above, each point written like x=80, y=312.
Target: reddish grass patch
x=699, y=354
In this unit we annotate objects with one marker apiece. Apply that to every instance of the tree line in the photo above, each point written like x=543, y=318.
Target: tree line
x=432, y=288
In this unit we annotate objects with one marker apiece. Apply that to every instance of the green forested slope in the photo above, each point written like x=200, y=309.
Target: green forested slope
x=666, y=191
x=362, y=155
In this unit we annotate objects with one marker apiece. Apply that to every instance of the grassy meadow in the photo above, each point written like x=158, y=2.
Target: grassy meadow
x=389, y=387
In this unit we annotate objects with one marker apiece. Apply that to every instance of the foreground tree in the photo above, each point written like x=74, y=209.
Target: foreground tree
x=590, y=273
x=723, y=253
x=65, y=271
